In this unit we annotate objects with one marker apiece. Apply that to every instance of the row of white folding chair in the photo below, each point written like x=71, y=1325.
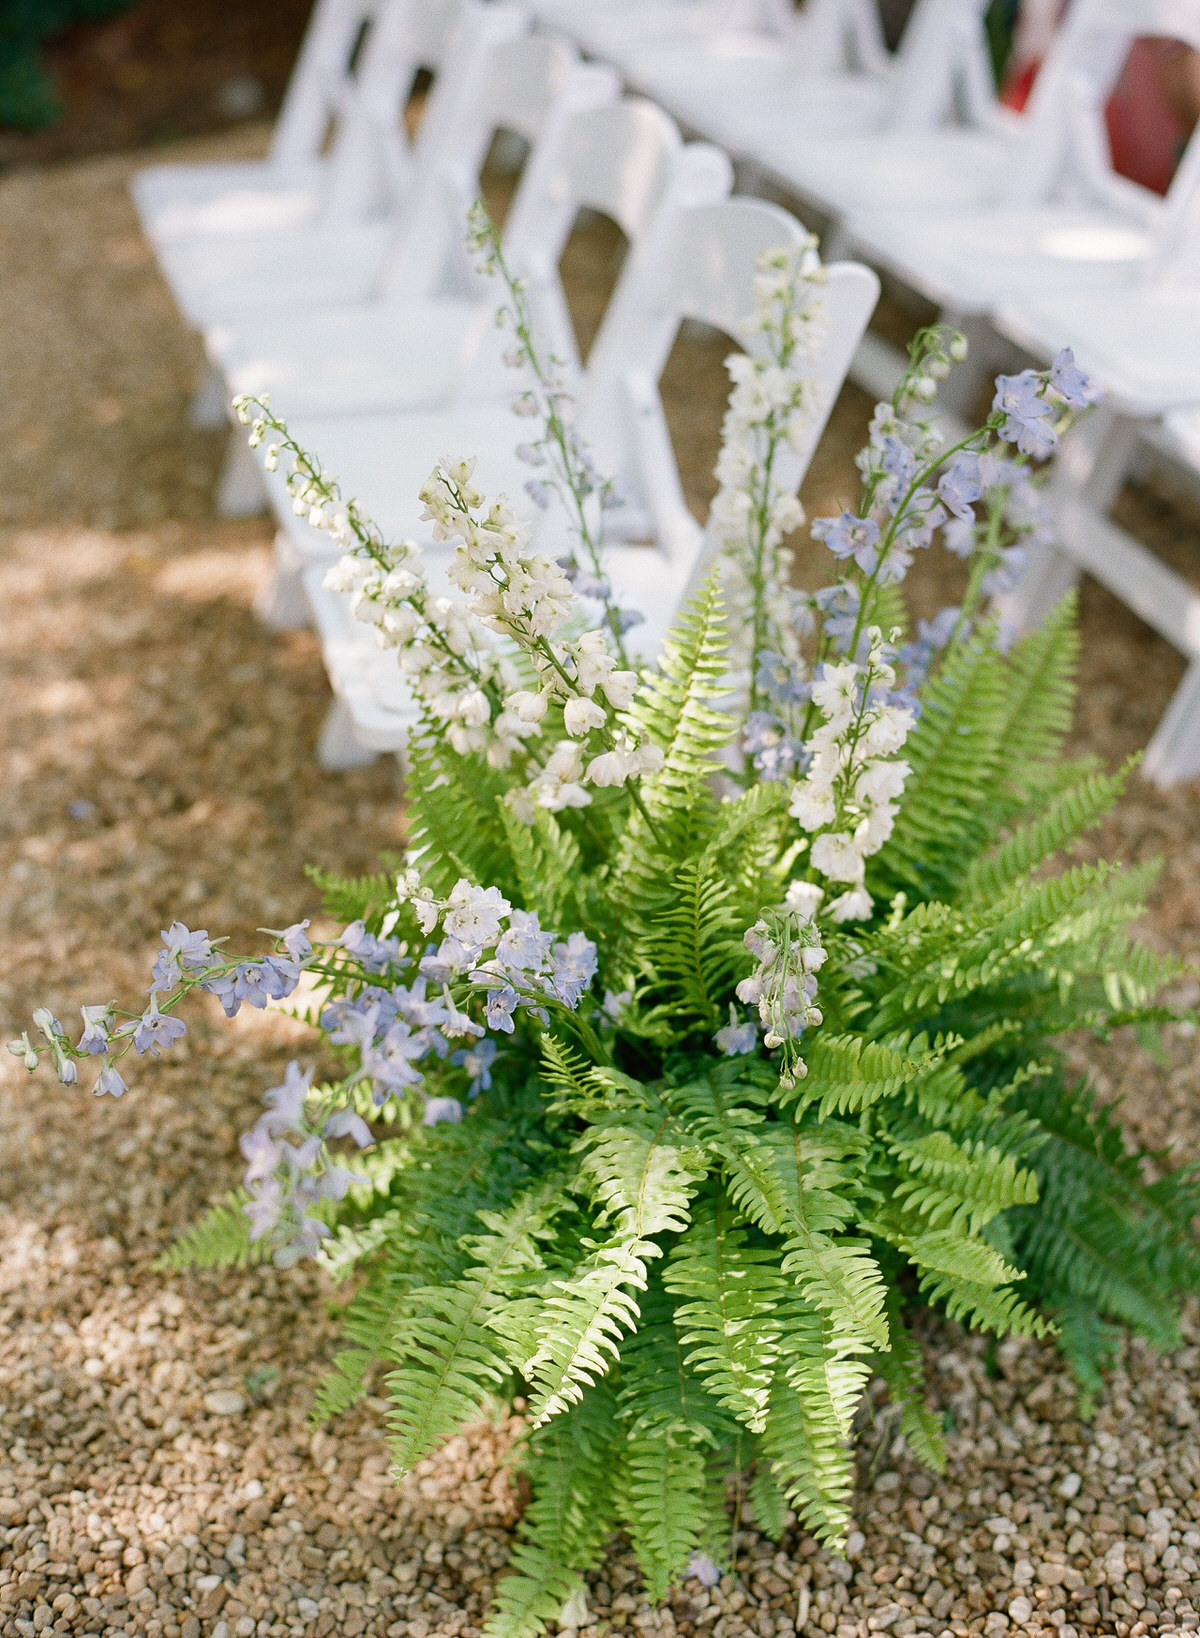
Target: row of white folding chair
x=803, y=101
x=406, y=334
x=339, y=150
x=1141, y=342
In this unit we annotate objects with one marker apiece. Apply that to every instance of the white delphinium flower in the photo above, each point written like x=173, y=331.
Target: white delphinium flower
x=458, y=674
x=756, y=507
x=526, y=598
x=787, y=946
x=848, y=797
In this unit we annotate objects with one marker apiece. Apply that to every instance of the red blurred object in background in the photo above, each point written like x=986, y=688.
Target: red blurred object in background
x=1153, y=108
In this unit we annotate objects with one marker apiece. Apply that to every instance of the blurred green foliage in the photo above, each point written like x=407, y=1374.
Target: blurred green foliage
x=27, y=94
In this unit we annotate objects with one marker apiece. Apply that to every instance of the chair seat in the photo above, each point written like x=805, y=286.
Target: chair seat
x=369, y=682
x=212, y=278
x=342, y=360
x=970, y=262
x=250, y=196
x=1141, y=344
x=944, y=170
x=382, y=461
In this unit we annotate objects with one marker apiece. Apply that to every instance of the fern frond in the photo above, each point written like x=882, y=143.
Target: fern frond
x=546, y=861
x=447, y=1353
x=354, y=898
x=692, y=952
x=726, y=1322
x=1076, y=809
x=806, y=1439
x=565, y=1526
x=902, y=1369
x=674, y=709
x=643, y=1185
x=219, y=1239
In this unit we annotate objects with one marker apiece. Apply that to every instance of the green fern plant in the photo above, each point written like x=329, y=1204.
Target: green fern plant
x=735, y=992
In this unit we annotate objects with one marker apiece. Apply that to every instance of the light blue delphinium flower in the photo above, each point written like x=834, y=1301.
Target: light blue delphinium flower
x=499, y=1009
x=1028, y=416
x=961, y=485
x=477, y=1061
x=574, y=968
x=109, y=1082
x=155, y=1029
x=736, y=1037
x=438, y=1109
x=850, y=536
x=184, y=950
x=524, y=947
x=96, y=1020
x=1072, y=383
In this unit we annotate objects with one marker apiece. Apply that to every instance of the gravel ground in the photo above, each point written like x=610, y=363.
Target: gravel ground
x=157, y=1471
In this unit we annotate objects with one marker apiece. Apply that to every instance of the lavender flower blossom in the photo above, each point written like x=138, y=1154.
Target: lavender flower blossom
x=477, y=1061
x=438, y=1109
x=961, y=484
x=1027, y=414
x=736, y=1038
x=184, y=949
x=109, y=1081
x=155, y=1029
x=1072, y=383
x=850, y=536
x=574, y=968
x=96, y=1021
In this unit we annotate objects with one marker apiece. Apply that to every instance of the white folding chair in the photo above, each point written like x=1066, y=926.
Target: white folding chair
x=339, y=146
x=927, y=132
x=697, y=261
x=1142, y=345
x=333, y=260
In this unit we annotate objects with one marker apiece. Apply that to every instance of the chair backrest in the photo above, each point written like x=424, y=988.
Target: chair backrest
x=322, y=78
x=838, y=37
x=942, y=67
x=371, y=161
x=596, y=153
x=1065, y=147
x=699, y=261
x=497, y=76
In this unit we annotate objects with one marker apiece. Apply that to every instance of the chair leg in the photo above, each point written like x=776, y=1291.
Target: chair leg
x=207, y=410
x=339, y=749
x=1047, y=577
x=1173, y=753
x=282, y=603
x=241, y=491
